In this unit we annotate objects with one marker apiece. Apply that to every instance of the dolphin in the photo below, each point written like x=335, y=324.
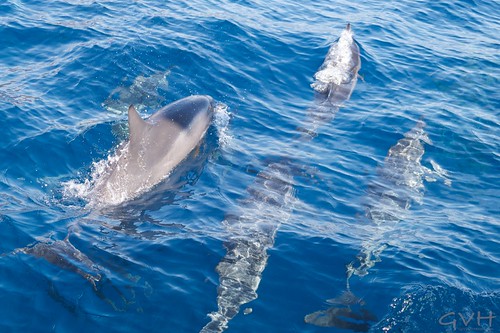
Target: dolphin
x=334, y=82
x=63, y=254
x=155, y=147
x=399, y=184
x=251, y=234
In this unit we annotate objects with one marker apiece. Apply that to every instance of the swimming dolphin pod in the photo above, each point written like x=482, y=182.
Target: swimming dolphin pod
x=271, y=195
x=159, y=143
x=399, y=184
x=155, y=147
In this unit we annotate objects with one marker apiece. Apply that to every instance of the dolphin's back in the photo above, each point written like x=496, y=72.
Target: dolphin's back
x=184, y=111
x=336, y=78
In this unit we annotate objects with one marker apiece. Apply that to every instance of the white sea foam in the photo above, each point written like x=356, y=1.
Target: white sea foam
x=100, y=170
x=222, y=116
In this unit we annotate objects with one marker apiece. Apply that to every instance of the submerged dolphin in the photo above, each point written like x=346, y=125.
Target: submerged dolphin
x=143, y=93
x=251, y=234
x=334, y=81
x=155, y=147
x=399, y=184
x=64, y=255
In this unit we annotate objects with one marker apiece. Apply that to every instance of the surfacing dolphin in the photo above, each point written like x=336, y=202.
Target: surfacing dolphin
x=251, y=234
x=334, y=82
x=399, y=184
x=155, y=147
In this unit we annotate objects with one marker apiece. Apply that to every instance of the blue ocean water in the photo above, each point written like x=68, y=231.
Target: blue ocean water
x=157, y=255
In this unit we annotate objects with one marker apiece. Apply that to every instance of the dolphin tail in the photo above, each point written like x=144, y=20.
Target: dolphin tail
x=218, y=323
x=233, y=293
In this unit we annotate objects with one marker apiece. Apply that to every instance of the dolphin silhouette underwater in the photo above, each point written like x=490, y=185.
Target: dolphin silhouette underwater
x=155, y=147
x=400, y=183
x=143, y=93
x=269, y=203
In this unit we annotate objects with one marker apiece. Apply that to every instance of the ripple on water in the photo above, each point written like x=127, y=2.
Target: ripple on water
x=437, y=61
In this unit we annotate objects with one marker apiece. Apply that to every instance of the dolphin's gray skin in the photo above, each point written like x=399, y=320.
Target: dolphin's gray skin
x=251, y=233
x=143, y=93
x=155, y=147
x=334, y=82
x=399, y=184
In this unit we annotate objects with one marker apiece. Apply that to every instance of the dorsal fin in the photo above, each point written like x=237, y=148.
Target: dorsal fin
x=136, y=125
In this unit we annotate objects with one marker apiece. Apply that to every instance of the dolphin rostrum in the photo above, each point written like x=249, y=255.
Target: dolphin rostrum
x=251, y=234
x=399, y=184
x=155, y=147
x=334, y=82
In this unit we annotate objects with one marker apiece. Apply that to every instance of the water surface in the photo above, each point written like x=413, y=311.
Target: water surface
x=157, y=255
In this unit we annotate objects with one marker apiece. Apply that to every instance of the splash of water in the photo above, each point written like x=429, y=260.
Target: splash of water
x=222, y=116
x=84, y=190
